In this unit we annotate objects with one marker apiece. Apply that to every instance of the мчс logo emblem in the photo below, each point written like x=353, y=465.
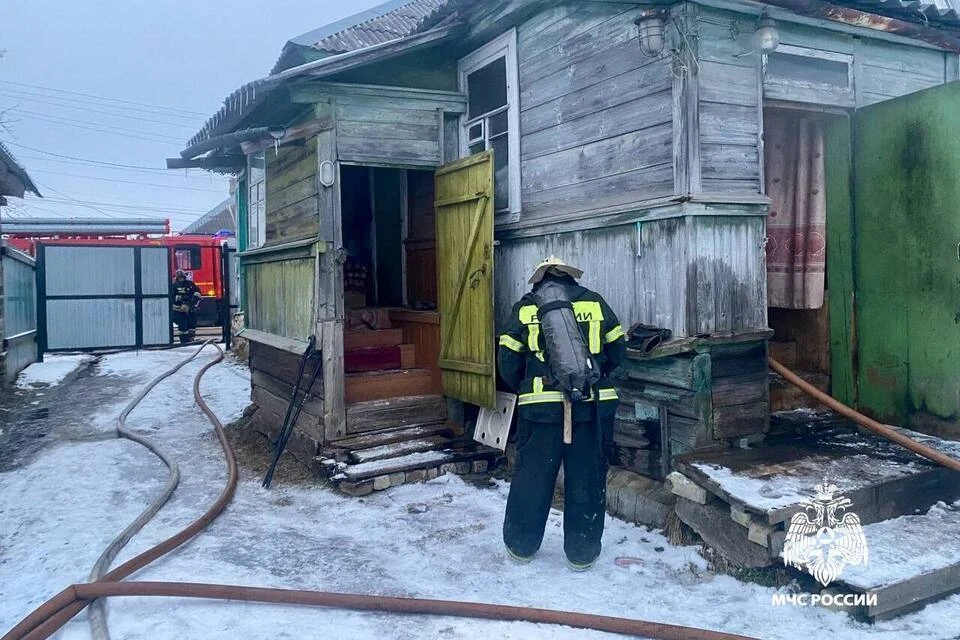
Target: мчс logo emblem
x=827, y=542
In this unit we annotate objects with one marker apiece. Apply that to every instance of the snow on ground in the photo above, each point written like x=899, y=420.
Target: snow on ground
x=436, y=540
x=51, y=371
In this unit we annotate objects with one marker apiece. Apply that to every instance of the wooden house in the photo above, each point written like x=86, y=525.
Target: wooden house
x=396, y=191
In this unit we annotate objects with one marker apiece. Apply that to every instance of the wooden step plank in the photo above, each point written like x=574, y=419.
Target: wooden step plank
x=368, y=338
x=366, y=359
x=914, y=560
x=458, y=451
x=397, y=449
x=390, y=413
x=381, y=385
x=389, y=436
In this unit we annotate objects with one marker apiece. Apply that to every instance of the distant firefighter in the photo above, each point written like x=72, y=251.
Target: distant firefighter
x=186, y=299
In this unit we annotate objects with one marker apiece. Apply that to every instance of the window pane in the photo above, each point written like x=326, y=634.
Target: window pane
x=257, y=164
x=501, y=173
x=181, y=258
x=787, y=67
x=498, y=123
x=477, y=148
x=475, y=131
x=487, y=88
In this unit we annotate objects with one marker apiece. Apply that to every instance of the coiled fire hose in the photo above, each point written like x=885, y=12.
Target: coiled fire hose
x=867, y=423
x=56, y=612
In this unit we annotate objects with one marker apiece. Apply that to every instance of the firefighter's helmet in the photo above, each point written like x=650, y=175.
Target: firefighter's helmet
x=180, y=274
x=555, y=264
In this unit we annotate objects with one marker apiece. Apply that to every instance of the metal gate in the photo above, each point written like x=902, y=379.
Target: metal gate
x=100, y=296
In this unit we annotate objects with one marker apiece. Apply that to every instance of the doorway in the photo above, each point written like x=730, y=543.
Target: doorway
x=392, y=328
x=796, y=180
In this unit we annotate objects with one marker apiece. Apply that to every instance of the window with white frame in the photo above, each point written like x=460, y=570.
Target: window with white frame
x=256, y=200
x=489, y=78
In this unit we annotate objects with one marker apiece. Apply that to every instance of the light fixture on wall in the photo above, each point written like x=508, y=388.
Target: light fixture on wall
x=766, y=38
x=651, y=27
x=328, y=173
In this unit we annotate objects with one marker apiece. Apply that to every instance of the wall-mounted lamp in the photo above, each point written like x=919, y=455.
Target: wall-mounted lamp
x=328, y=173
x=651, y=26
x=766, y=38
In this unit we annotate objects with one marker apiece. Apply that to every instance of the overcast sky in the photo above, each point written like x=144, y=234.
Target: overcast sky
x=180, y=57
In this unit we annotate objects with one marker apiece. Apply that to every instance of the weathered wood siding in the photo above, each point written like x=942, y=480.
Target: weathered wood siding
x=699, y=271
x=730, y=89
x=280, y=296
x=595, y=114
x=385, y=126
x=273, y=374
x=292, y=193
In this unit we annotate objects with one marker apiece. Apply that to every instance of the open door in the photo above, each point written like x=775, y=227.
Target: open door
x=464, y=207
x=906, y=258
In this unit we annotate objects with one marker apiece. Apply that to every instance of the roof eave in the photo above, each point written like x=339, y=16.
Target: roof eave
x=247, y=98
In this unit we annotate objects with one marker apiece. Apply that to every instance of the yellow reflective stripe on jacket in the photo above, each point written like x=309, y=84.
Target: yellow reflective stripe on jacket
x=591, y=312
x=588, y=311
x=540, y=398
x=614, y=334
x=509, y=342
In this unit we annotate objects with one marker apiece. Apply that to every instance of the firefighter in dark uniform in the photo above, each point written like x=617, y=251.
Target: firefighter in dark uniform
x=186, y=299
x=523, y=367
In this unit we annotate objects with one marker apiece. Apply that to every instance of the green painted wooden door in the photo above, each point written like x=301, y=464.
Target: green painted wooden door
x=906, y=230
x=464, y=206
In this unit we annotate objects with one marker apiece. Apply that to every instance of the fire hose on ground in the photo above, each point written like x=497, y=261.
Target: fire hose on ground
x=56, y=612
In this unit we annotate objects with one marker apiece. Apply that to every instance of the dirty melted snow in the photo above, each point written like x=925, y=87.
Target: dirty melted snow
x=51, y=371
x=440, y=539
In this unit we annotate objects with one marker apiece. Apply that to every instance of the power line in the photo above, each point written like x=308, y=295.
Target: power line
x=104, y=98
x=95, y=123
x=173, y=173
x=48, y=187
x=143, y=184
x=159, y=139
x=98, y=162
x=130, y=116
x=116, y=205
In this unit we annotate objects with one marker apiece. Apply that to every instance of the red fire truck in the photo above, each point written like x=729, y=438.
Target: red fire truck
x=201, y=257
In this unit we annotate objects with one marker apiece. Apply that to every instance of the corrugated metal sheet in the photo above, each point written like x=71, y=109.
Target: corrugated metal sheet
x=13, y=177
x=218, y=218
x=19, y=312
x=154, y=271
x=85, y=271
x=88, y=324
x=156, y=321
x=19, y=297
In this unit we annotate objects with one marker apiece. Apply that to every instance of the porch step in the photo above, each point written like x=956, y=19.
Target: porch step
x=372, y=338
x=404, y=462
x=741, y=501
x=913, y=560
x=365, y=359
x=386, y=437
x=383, y=385
x=389, y=413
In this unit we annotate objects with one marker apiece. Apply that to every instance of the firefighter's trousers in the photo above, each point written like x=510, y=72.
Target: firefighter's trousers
x=540, y=451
